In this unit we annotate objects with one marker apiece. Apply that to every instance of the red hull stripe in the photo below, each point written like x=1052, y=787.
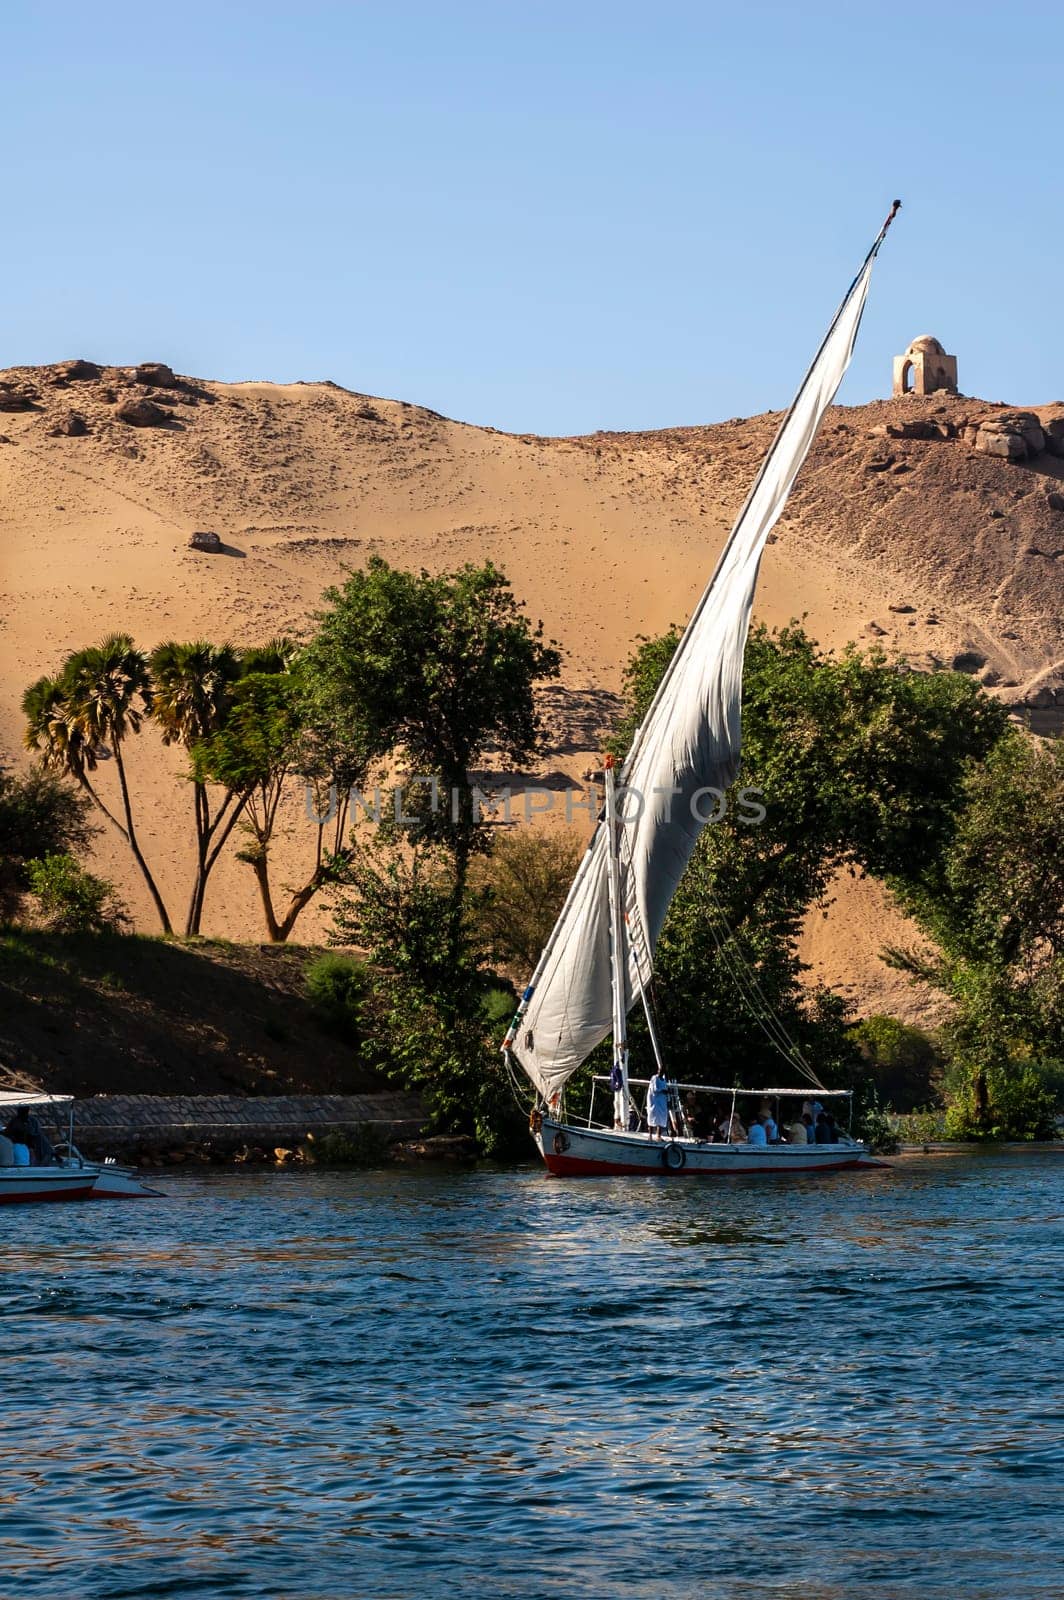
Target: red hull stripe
x=581, y=1167
x=37, y=1195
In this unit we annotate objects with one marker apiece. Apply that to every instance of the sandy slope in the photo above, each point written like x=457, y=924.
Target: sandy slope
x=605, y=537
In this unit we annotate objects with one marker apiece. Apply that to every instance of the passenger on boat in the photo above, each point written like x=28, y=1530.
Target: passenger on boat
x=25, y=1129
x=798, y=1133
x=731, y=1129
x=768, y=1122
x=697, y=1117
x=757, y=1133
x=657, y=1105
x=7, y=1151
x=826, y=1132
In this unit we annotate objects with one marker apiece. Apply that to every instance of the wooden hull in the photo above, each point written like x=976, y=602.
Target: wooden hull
x=24, y=1186
x=591, y=1152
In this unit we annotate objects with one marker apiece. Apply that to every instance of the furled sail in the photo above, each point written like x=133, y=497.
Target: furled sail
x=688, y=742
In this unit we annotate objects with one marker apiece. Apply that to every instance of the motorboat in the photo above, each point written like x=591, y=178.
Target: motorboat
x=64, y=1174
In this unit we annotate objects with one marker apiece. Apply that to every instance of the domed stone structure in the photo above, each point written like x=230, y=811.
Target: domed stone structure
x=924, y=368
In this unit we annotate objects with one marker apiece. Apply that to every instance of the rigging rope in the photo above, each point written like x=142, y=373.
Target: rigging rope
x=743, y=976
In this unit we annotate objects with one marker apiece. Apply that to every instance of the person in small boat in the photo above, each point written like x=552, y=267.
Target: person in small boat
x=657, y=1105
x=826, y=1132
x=25, y=1128
x=697, y=1118
x=18, y=1131
x=797, y=1132
x=757, y=1133
x=7, y=1151
x=731, y=1129
x=768, y=1122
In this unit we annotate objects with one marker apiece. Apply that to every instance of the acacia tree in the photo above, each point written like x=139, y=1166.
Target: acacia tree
x=276, y=731
x=442, y=670
x=99, y=698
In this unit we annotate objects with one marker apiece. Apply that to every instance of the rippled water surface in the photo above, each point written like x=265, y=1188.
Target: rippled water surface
x=495, y=1383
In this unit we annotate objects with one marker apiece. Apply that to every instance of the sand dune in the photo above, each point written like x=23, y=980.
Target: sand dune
x=605, y=537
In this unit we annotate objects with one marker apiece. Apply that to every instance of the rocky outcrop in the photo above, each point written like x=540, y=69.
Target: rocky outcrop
x=1013, y=435
x=77, y=371
x=1009, y=435
x=205, y=540
x=15, y=399
x=140, y=412
x=156, y=373
x=71, y=425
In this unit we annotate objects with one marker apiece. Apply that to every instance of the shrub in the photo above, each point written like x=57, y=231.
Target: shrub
x=1022, y=1102
x=39, y=815
x=339, y=988
x=363, y=1147
x=73, y=900
x=526, y=878
x=904, y=1063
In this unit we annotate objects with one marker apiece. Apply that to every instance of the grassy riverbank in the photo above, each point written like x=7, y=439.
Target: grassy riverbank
x=91, y=1014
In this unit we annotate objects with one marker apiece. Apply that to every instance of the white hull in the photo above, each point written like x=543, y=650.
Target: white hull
x=120, y=1183
x=33, y=1185
x=594, y=1152
x=108, y=1180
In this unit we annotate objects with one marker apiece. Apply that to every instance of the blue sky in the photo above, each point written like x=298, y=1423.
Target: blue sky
x=543, y=217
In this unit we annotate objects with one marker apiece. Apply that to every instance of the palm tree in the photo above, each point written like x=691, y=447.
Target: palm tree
x=99, y=698
x=52, y=731
x=193, y=684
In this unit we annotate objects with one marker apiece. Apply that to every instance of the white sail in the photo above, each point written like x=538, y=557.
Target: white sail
x=688, y=741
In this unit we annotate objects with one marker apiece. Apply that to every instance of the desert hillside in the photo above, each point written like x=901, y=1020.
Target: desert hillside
x=933, y=526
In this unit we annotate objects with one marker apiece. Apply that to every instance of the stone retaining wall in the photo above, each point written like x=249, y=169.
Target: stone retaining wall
x=145, y=1124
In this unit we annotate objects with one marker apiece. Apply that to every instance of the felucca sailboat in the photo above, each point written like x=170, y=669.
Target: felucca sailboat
x=598, y=961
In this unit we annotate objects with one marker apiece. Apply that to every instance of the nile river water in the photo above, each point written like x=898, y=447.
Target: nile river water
x=399, y=1384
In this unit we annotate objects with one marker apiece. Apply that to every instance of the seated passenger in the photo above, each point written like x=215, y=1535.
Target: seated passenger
x=18, y=1131
x=772, y=1132
x=797, y=1132
x=757, y=1134
x=731, y=1129
x=7, y=1151
x=825, y=1133
x=41, y=1148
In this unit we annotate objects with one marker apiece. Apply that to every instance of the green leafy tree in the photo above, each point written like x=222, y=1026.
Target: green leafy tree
x=99, y=699
x=859, y=765
x=436, y=1016
x=442, y=671
x=992, y=903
